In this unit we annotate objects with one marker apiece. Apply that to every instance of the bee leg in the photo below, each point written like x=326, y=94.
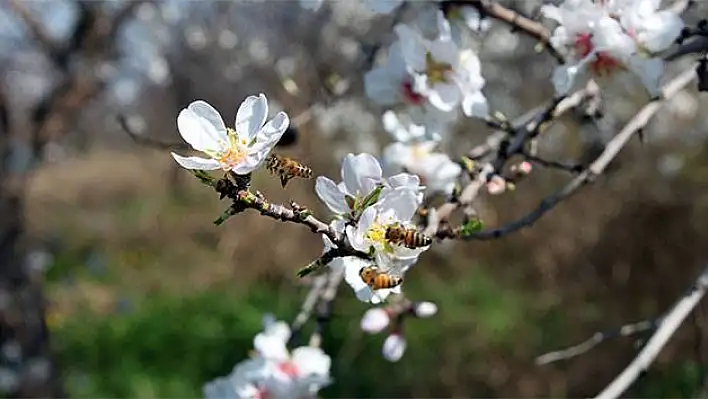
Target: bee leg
x=284, y=180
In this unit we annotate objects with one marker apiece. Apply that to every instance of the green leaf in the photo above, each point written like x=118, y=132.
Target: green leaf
x=225, y=216
x=315, y=266
x=203, y=176
x=371, y=198
x=471, y=226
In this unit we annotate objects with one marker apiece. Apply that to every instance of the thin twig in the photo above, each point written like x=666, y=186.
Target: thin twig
x=612, y=149
x=148, y=141
x=596, y=339
x=671, y=322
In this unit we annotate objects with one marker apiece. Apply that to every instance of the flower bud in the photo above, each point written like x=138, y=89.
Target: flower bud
x=425, y=309
x=394, y=347
x=375, y=320
x=525, y=167
x=496, y=186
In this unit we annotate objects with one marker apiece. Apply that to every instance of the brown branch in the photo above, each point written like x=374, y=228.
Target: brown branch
x=612, y=149
x=148, y=141
x=35, y=27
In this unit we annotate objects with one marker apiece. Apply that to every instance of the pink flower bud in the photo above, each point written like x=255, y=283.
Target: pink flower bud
x=425, y=309
x=496, y=186
x=394, y=347
x=375, y=320
x=525, y=167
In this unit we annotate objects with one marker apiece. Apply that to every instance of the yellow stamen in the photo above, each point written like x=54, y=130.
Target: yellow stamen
x=234, y=153
x=435, y=70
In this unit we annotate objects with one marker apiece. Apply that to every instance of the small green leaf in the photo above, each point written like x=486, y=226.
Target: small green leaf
x=311, y=268
x=371, y=198
x=472, y=226
x=203, y=176
x=225, y=216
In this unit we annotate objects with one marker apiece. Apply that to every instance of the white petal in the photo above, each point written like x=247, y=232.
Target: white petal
x=271, y=133
x=360, y=173
x=310, y=360
x=475, y=105
x=426, y=309
x=403, y=203
x=444, y=96
x=405, y=180
x=375, y=320
x=201, y=131
x=412, y=49
x=330, y=194
x=381, y=87
x=251, y=116
x=660, y=31
x=650, y=71
x=196, y=162
x=396, y=156
x=270, y=347
x=394, y=347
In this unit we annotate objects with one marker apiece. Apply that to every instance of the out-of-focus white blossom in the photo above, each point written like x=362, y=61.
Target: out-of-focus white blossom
x=496, y=185
x=425, y=309
x=436, y=170
x=444, y=74
x=375, y=320
x=603, y=38
x=240, y=150
x=394, y=347
x=274, y=372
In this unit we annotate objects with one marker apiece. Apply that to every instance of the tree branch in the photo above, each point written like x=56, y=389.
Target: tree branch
x=670, y=323
x=612, y=149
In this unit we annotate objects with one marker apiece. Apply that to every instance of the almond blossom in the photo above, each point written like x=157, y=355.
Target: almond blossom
x=240, y=150
x=413, y=153
x=604, y=39
x=443, y=73
x=361, y=174
x=370, y=232
x=273, y=372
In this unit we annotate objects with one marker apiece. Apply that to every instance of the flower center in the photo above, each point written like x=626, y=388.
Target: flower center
x=409, y=95
x=289, y=368
x=376, y=234
x=436, y=71
x=603, y=64
x=419, y=152
x=232, y=153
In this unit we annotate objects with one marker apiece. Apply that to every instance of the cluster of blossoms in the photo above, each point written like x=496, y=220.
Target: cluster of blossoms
x=605, y=37
x=365, y=205
x=273, y=372
x=430, y=74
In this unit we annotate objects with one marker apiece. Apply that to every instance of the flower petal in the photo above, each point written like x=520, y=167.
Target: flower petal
x=271, y=133
x=196, y=163
x=251, y=116
x=201, y=126
x=310, y=361
x=330, y=194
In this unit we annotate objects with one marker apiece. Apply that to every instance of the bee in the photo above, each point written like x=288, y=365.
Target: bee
x=377, y=279
x=408, y=237
x=287, y=168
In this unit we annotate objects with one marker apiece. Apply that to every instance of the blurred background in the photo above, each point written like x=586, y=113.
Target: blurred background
x=145, y=297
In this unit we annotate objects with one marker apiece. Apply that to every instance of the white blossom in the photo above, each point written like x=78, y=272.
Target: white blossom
x=370, y=232
x=436, y=170
x=425, y=309
x=240, y=150
x=605, y=39
x=375, y=320
x=274, y=372
x=361, y=174
x=383, y=6
x=443, y=73
x=394, y=347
